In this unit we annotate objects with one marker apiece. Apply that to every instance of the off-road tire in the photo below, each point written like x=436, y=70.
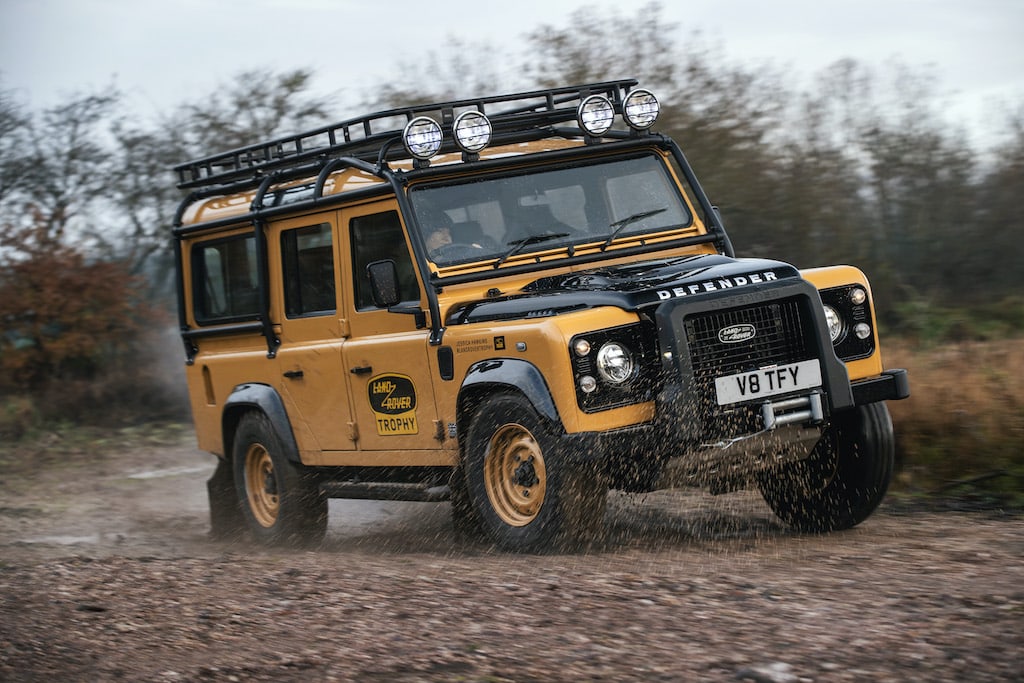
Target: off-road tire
x=280, y=500
x=528, y=494
x=843, y=480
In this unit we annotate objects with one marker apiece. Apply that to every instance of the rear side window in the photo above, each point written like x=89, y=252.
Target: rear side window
x=308, y=268
x=225, y=283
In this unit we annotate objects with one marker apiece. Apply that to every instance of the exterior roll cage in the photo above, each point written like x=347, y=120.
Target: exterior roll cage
x=360, y=144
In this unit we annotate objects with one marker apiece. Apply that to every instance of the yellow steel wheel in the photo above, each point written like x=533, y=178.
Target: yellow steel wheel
x=515, y=476
x=261, y=485
x=279, y=499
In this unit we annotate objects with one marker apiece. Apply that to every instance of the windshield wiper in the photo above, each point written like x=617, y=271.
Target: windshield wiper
x=517, y=245
x=621, y=225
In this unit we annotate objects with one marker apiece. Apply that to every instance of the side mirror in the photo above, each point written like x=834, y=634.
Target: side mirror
x=383, y=277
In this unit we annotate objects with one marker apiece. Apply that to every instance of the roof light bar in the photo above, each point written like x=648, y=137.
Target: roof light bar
x=640, y=109
x=422, y=137
x=472, y=131
x=596, y=115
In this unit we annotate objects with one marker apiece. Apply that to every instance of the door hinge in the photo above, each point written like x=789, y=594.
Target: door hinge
x=353, y=432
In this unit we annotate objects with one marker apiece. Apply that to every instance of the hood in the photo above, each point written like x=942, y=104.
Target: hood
x=631, y=286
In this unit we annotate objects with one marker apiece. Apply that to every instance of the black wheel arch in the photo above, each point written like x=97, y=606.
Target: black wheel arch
x=485, y=378
x=265, y=399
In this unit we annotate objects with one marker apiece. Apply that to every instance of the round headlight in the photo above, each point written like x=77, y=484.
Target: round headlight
x=596, y=114
x=422, y=137
x=615, y=363
x=858, y=296
x=834, y=321
x=472, y=131
x=641, y=109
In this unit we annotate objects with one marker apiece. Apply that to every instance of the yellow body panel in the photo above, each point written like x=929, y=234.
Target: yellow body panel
x=837, y=276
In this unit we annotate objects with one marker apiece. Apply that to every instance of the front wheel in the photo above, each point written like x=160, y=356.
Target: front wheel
x=844, y=478
x=526, y=492
x=280, y=500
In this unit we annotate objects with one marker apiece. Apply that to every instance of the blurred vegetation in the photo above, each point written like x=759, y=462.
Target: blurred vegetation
x=959, y=435
x=858, y=165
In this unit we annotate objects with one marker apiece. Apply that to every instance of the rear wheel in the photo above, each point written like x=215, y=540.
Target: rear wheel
x=526, y=493
x=280, y=500
x=843, y=480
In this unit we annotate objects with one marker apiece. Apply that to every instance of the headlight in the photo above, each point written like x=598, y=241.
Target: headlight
x=615, y=363
x=422, y=137
x=848, y=311
x=472, y=131
x=596, y=114
x=641, y=109
x=835, y=323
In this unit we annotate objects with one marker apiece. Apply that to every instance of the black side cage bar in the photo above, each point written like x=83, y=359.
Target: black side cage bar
x=356, y=143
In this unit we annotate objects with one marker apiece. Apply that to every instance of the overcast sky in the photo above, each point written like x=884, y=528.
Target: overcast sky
x=162, y=51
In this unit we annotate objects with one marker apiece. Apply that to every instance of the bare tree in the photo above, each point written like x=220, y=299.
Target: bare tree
x=254, y=105
x=15, y=147
x=71, y=164
x=593, y=46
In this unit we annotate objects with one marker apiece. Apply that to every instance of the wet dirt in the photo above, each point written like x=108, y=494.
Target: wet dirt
x=107, y=573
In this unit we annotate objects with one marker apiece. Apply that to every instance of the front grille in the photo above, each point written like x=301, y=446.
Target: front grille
x=781, y=336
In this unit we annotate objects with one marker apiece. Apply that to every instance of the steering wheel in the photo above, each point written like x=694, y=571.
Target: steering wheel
x=455, y=251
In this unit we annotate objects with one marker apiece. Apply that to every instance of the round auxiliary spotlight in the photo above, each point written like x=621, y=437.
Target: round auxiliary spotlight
x=596, y=115
x=641, y=109
x=472, y=131
x=422, y=137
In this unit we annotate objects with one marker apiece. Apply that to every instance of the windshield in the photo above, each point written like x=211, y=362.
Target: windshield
x=499, y=217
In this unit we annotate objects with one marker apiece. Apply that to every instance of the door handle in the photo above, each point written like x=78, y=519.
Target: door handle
x=293, y=374
x=362, y=369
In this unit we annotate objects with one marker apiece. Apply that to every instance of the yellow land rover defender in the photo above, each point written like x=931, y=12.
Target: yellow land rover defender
x=515, y=303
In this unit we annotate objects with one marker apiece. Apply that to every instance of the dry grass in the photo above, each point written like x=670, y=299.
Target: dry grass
x=962, y=429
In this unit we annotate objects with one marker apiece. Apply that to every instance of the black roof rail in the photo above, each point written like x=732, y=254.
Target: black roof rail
x=367, y=137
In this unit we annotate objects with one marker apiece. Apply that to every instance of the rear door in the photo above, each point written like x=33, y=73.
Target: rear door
x=312, y=379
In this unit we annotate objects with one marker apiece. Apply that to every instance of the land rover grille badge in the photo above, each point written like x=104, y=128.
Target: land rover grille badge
x=734, y=334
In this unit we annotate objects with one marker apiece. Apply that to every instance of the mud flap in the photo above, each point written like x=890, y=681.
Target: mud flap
x=225, y=518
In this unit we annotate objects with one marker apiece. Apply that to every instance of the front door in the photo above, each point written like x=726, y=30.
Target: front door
x=385, y=355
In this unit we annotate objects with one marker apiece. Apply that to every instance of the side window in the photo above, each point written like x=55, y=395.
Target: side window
x=376, y=237
x=308, y=267
x=225, y=282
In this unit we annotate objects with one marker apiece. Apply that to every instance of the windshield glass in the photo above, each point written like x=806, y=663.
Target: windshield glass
x=500, y=216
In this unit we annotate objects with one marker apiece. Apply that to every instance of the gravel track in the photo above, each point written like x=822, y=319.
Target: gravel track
x=106, y=574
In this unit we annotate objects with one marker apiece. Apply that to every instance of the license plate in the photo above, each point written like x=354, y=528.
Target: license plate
x=780, y=379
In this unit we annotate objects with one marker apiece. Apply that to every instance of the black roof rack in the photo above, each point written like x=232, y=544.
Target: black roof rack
x=371, y=137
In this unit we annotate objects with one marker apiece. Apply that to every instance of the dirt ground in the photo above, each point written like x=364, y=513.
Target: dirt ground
x=106, y=574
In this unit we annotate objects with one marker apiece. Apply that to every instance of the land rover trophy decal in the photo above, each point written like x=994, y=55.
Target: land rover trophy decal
x=393, y=400
x=734, y=334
